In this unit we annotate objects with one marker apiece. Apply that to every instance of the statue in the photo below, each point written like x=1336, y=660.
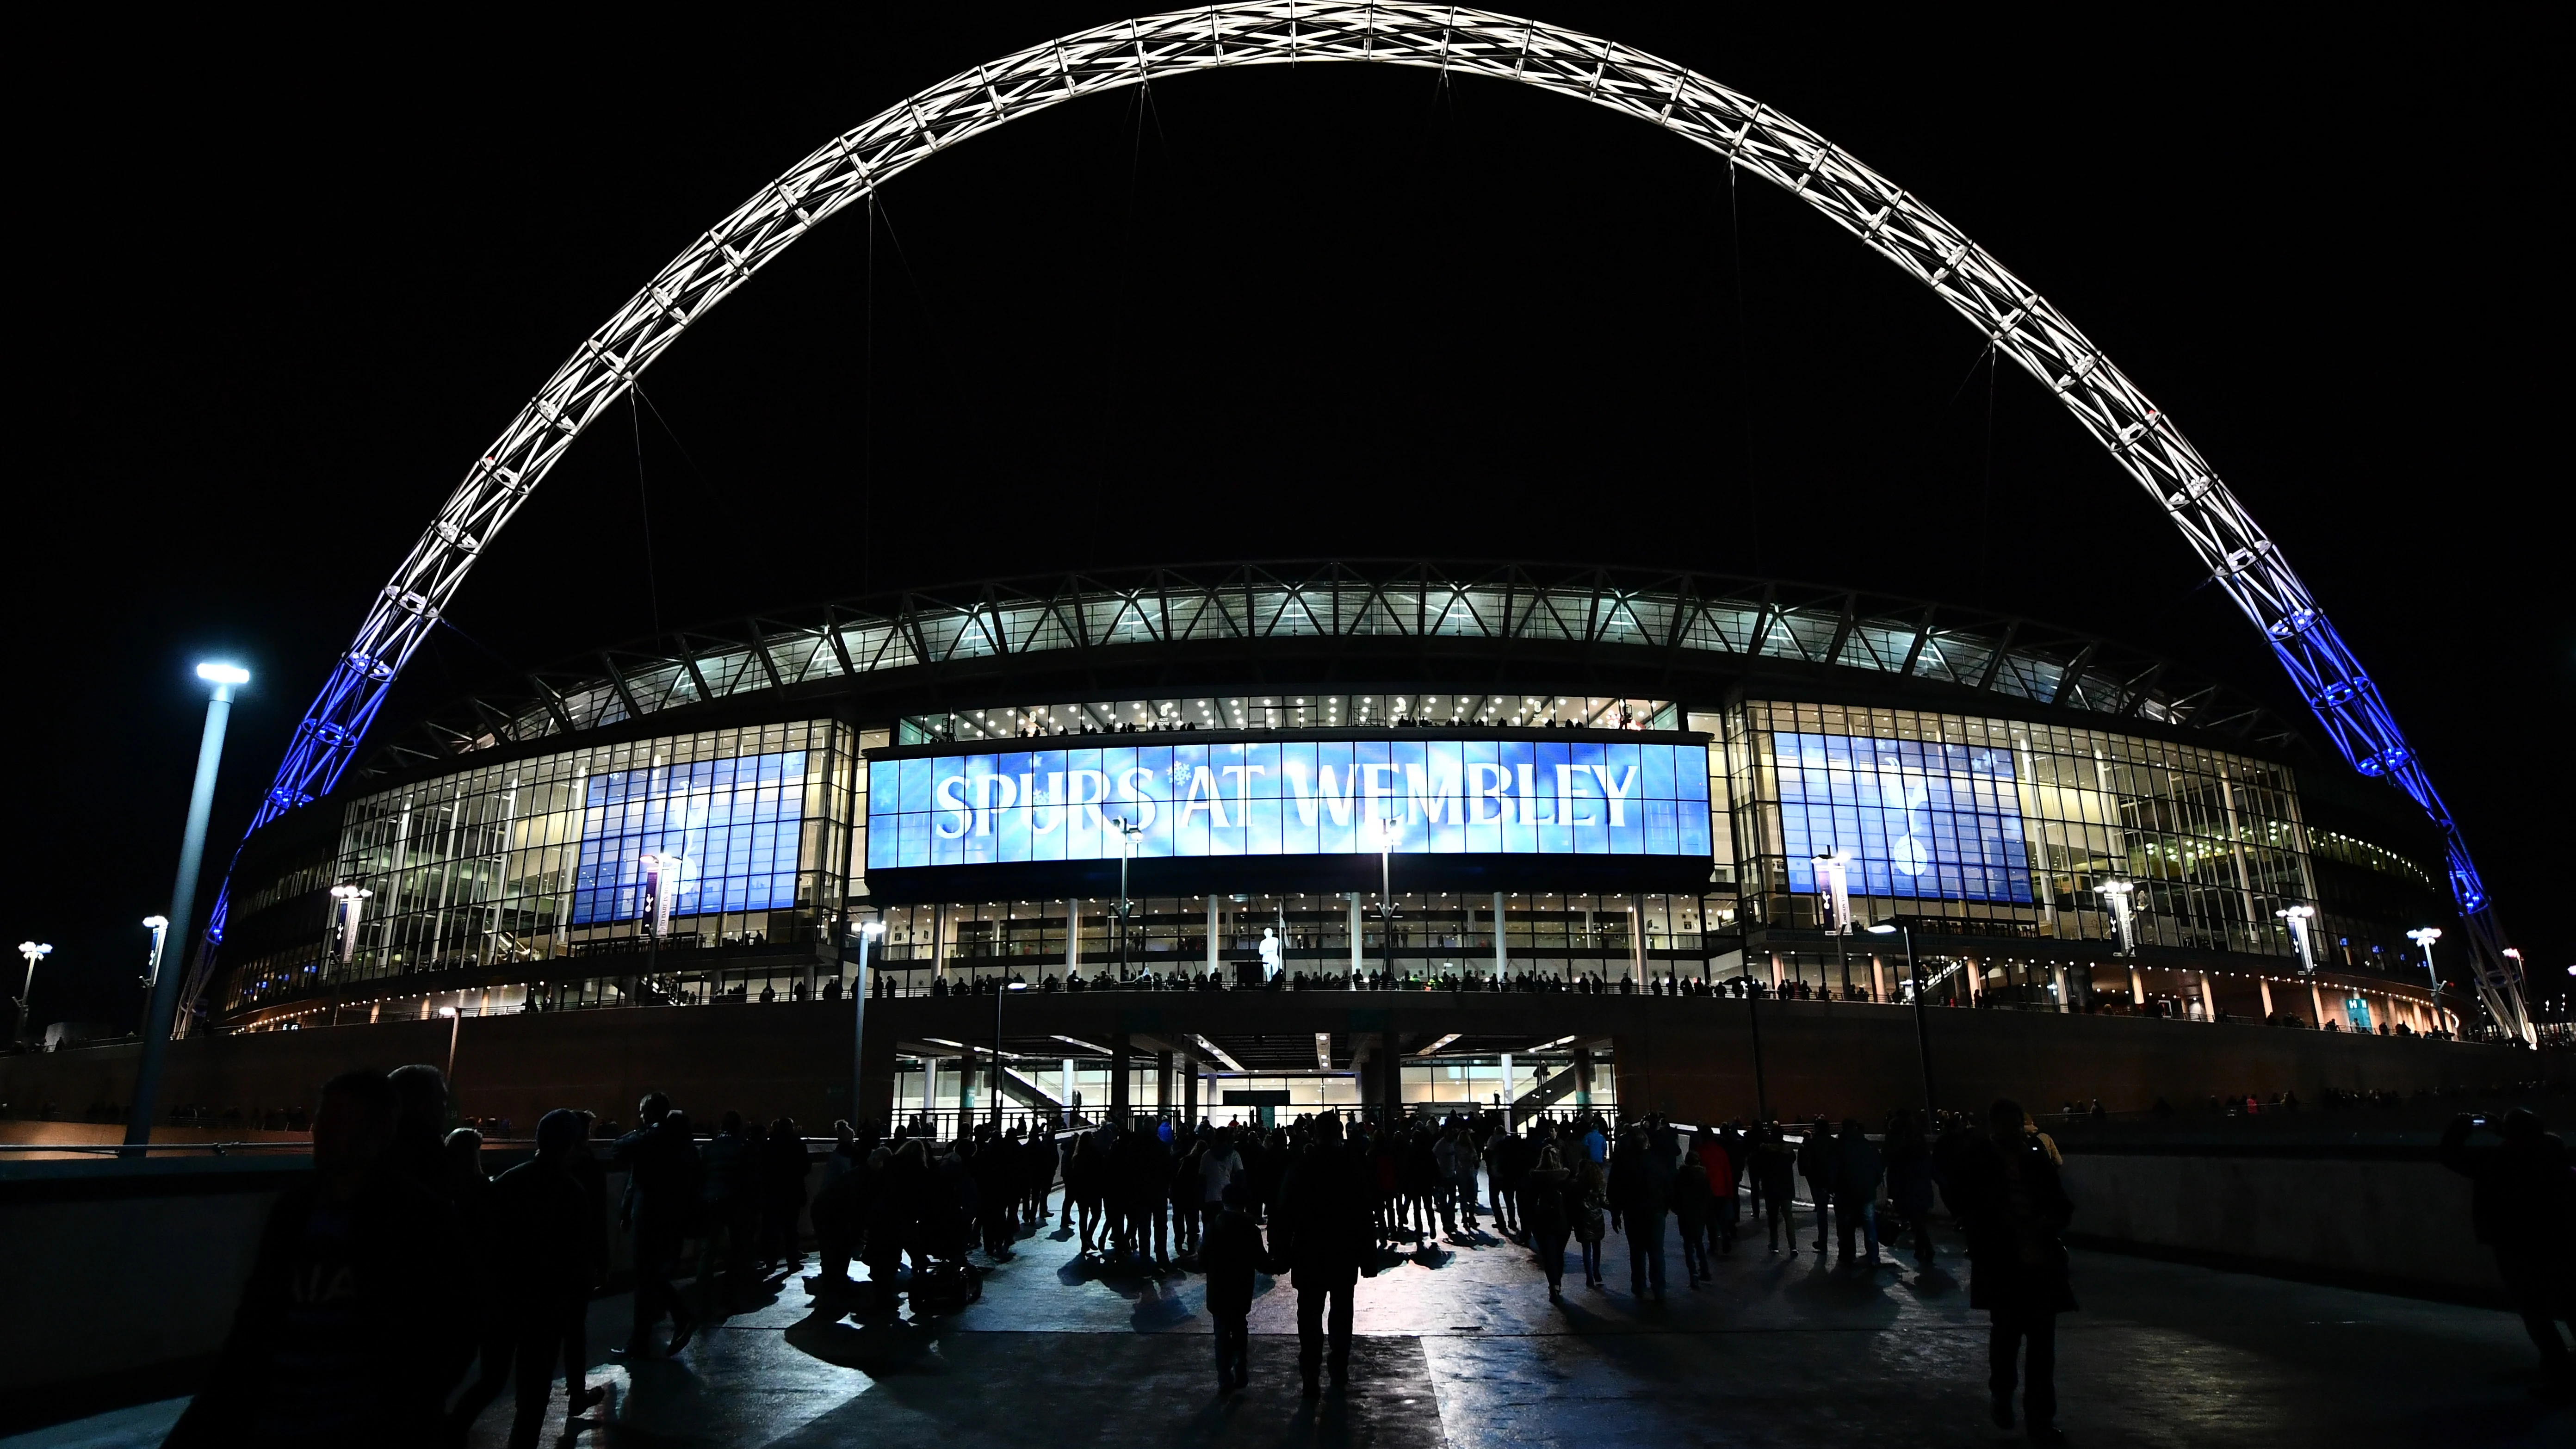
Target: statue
x=1270, y=954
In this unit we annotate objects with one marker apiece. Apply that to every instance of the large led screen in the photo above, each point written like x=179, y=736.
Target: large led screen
x=732, y=823
x=1916, y=818
x=1447, y=797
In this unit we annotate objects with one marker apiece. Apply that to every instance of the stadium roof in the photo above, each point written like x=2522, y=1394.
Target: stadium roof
x=1606, y=615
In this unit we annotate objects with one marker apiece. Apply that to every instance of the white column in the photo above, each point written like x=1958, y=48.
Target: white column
x=2317, y=999
x=2208, y=1000
x=1502, y=952
x=2137, y=988
x=2266, y=983
x=1211, y=931
x=1072, y=944
x=1637, y=941
x=2064, y=1006
x=1507, y=1093
x=1355, y=935
x=1877, y=979
x=1064, y=1085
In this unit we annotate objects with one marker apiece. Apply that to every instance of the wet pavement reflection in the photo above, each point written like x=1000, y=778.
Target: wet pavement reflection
x=1458, y=1344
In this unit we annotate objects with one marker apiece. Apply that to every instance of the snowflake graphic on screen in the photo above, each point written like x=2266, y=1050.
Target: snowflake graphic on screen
x=1180, y=774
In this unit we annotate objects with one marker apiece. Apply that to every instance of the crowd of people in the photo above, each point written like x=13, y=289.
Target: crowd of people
x=400, y=1293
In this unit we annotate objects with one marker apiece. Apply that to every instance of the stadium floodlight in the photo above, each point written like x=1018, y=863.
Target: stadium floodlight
x=159, y=926
x=352, y=904
x=161, y=1007
x=2298, y=917
x=34, y=951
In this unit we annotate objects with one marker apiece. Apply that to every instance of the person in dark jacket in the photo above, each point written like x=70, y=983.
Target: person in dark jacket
x=1691, y=1198
x=1816, y=1165
x=661, y=1203
x=729, y=1204
x=469, y=1194
x=1641, y=1193
x=547, y=1238
x=1321, y=1232
x=784, y=1164
x=1232, y=1256
x=1775, y=1180
x=1909, y=1183
x=2522, y=1206
x=1857, y=1170
x=1545, y=1214
x=354, y=1323
x=2012, y=1208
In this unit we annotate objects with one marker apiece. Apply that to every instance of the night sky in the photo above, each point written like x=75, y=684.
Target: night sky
x=278, y=285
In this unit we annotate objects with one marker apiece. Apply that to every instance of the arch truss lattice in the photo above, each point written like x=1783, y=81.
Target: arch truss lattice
x=1750, y=135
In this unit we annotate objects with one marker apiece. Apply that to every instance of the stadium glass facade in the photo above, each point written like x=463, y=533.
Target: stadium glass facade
x=565, y=853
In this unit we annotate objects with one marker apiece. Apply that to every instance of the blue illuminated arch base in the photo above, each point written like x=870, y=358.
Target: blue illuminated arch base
x=1750, y=135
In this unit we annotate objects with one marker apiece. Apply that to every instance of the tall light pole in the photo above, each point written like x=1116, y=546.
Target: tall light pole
x=866, y=931
x=2298, y=917
x=34, y=951
x=1001, y=992
x=1127, y=833
x=1922, y=1024
x=163, y=1004
x=159, y=926
x=2425, y=936
x=1833, y=886
x=1386, y=833
x=352, y=901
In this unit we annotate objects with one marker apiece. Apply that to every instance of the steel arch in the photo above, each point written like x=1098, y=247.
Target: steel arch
x=1749, y=134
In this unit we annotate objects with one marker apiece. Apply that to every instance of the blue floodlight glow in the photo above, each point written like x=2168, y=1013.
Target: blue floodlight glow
x=1918, y=818
x=1451, y=797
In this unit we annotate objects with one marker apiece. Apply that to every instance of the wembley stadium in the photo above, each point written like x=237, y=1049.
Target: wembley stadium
x=1414, y=772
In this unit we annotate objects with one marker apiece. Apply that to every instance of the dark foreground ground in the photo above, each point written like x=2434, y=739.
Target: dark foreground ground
x=1459, y=1345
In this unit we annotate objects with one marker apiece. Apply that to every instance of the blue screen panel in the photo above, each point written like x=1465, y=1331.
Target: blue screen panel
x=734, y=824
x=1298, y=797
x=1918, y=818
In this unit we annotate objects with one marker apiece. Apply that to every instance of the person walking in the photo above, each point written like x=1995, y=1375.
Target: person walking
x=784, y=1164
x=1321, y=1231
x=548, y=1235
x=1220, y=1167
x=1641, y=1190
x=1775, y=1179
x=1909, y=1183
x=1816, y=1165
x=1506, y=1163
x=1591, y=1212
x=2013, y=1209
x=729, y=1204
x=2522, y=1206
x=1545, y=1216
x=1231, y=1256
x=661, y=1203
x=1719, y=1163
x=354, y=1323
x=1691, y=1200
x=1857, y=1170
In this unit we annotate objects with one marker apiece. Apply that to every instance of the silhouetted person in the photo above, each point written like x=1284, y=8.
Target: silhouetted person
x=354, y=1323
x=661, y=1202
x=1909, y=1182
x=1231, y=1255
x=783, y=1167
x=1321, y=1231
x=1546, y=1217
x=729, y=1198
x=1816, y=1165
x=418, y=1151
x=2012, y=1208
x=470, y=1194
x=2523, y=1208
x=1691, y=1199
x=1857, y=1170
x=1641, y=1192
x=547, y=1233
